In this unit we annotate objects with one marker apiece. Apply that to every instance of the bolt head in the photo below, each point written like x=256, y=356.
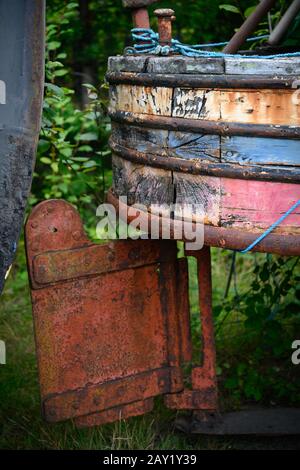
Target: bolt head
x=76, y=235
x=164, y=12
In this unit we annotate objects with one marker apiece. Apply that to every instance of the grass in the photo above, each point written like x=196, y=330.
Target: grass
x=21, y=425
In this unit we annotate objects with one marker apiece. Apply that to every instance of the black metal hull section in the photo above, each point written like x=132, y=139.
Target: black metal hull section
x=22, y=75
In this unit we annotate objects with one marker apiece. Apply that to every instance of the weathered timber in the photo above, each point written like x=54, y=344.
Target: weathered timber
x=219, y=201
x=254, y=66
x=210, y=148
x=226, y=170
x=167, y=143
x=260, y=151
x=142, y=184
x=226, y=132
x=189, y=66
x=269, y=107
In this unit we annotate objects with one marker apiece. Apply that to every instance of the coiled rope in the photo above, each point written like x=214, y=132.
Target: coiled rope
x=146, y=41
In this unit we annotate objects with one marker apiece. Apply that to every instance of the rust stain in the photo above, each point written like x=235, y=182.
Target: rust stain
x=103, y=316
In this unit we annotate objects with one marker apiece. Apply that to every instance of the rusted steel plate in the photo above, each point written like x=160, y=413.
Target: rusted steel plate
x=183, y=307
x=21, y=93
x=116, y=414
x=108, y=335
x=92, y=260
x=107, y=396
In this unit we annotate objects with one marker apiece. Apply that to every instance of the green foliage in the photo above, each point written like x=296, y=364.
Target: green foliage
x=73, y=155
x=265, y=319
x=255, y=324
x=243, y=10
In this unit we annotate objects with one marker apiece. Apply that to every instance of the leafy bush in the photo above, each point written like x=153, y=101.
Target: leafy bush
x=73, y=156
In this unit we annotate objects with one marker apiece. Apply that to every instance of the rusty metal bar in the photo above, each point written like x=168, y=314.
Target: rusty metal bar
x=204, y=392
x=207, y=127
x=140, y=15
x=226, y=170
x=140, y=18
x=249, y=26
x=282, y=27
x=205, y=376
x=183, y=307
x=202, y=81
x=287, y=245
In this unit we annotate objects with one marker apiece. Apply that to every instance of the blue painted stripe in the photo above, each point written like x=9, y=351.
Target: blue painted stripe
x=260, y=150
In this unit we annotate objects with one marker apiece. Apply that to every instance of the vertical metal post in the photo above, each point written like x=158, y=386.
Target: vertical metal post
x=205, y=376
x=282, y=27
x=165, y=18
x=248, y=27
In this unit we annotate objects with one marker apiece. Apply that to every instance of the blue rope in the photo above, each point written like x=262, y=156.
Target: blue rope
x=270, y=229
x=147, y=42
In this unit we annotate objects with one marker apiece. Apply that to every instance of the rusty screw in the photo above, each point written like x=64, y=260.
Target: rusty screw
x=165, y=18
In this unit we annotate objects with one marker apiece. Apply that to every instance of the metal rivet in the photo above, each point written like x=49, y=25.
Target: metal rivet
x=76, y=235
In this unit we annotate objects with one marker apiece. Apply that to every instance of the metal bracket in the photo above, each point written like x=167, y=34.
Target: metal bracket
x=112, y=329
x=106, y=319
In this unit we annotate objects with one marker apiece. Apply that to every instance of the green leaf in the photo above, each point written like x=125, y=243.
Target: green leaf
x=87, y=136
x=54, y=88
x=46, y=160
x=85, y=148
x=60, y=72
x=230, y=8
x=43, y=145
x=53, y=45
x=249, y=11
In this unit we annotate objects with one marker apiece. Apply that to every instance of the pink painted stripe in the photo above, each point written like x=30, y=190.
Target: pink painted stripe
x=258, y=204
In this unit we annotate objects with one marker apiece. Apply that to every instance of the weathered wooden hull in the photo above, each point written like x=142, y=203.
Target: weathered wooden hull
x=21, y=75
x=233, y=151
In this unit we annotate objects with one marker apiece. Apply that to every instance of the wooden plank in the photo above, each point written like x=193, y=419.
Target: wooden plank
x=245, y=106
x=196, y=104
x=252, y=205
x=142, y=184
x=274, y=107
x=251, y=66
x=260, y=151
x=142, y=100
x=167, y=143
x=127, y=63
x=141, y=139
x=202, y=193
x=200, y=65
x=192, y=146
x=185, y=65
